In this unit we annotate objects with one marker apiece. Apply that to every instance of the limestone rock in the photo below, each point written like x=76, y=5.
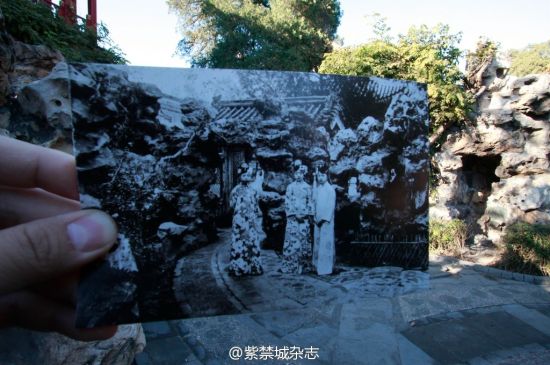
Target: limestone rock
x=447, y=161
x=273, y=158
x=525, y=192
x=168, y=229
x=523, y=163
x=507, y=177
x=33, y=62
x=533, y=94
x=371, y=129
x=276, y=181
x=49, y=98
x=24, y=347
x=41, y=113
x=120, y=349
x=341, y=140
x=317, y=154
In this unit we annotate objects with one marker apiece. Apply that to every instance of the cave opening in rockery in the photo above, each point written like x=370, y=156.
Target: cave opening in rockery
x=479, y=175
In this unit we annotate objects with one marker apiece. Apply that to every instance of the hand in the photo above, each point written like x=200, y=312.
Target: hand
x=45, y=239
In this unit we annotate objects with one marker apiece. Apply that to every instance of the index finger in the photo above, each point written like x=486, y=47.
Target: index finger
x=25, y=165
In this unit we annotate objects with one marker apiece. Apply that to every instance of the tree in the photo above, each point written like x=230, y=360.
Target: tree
x=424, y=55
x=534, y=58
x=380, y=27
x=260, y=34
x=477, y=63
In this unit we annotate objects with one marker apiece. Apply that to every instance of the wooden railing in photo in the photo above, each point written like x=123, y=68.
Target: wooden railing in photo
x=407, y=251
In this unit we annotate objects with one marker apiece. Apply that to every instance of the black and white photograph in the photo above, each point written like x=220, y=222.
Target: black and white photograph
x=231, y=188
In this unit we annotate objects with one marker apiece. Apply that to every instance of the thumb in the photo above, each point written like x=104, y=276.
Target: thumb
x=45, y=248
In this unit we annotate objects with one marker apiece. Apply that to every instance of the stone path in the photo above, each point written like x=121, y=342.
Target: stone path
x=447, y=315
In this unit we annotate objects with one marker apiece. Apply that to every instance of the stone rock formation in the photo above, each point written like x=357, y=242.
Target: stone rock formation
x=143, y=157
x=120, y=349
x=23, y=347
x=495, y=172
x=25, y=112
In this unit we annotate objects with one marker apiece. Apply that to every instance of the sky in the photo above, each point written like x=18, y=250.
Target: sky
x=147, y=32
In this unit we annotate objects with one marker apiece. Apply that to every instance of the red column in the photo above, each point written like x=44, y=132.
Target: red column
x=91, y=18
x=67, y=10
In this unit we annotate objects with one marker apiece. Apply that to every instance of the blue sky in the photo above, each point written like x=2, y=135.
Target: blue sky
x=147, y=32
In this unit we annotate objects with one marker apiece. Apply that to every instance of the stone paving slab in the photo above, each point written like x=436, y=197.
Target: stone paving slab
x=530, y=316
x=474, y=336
x=282, y=323
x=533, y=354
x=355, y=319
x=409, y=354
x=212, y=338
x=154, y=330
x=544, y=308
x=461, y=296
x=451, y=313
x=415, y=306
x=276, y=291
x=168, y=350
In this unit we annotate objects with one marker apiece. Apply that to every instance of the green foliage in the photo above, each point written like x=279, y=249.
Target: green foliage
x=527, y=249
x=534, y=58
x=485, y=51
x=257, y=34
x=424, y=55
x=36, y=24
x=448, y=237
x=380, y=28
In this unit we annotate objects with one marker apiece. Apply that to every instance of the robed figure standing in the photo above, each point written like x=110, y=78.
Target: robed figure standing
x=299, y=211
x=324, y=199
x=245, y=231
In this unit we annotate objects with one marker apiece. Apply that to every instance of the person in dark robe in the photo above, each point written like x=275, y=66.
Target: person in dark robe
x=245, y=234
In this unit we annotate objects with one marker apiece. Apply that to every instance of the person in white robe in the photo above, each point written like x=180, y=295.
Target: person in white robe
x=324, y=200
x=257, y=184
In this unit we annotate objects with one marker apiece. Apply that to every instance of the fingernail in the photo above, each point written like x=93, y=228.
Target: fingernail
x=92, y=231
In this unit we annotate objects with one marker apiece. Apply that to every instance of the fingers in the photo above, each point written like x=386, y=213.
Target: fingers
x=61, y=289
x=42, y=249
x=35, y=312
x=24, y=205
x=28, y=166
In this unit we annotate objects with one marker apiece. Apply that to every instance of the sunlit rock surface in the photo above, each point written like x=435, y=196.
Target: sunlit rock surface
x=495, y=172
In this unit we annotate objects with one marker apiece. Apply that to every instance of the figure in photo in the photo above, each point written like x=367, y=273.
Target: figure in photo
x=258, y=174
x=245, y=233
x=299, y=211
x=324, y=199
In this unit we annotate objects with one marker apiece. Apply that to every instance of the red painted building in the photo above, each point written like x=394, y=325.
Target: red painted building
x=67, y=10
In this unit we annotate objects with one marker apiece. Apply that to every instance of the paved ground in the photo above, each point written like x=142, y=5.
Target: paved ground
x=450, y=314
